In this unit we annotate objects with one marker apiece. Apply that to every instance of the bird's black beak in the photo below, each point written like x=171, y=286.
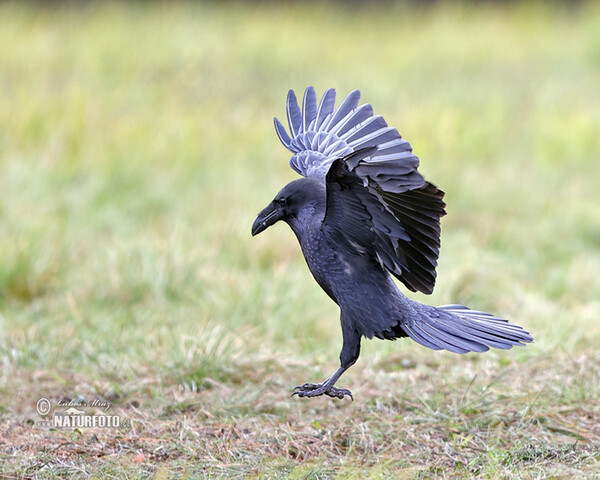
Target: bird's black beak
x=267, y=217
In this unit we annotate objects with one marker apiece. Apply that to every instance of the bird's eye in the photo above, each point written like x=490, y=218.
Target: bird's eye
x=282, y=201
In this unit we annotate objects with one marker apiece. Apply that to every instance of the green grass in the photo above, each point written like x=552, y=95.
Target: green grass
x=136, y=147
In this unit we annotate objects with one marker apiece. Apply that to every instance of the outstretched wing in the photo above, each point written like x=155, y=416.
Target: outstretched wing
x=319, y=134
x=401, y=230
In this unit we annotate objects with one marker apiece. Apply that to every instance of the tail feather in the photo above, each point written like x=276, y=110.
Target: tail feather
x=479, y=334
x=432, y=338
x=444, y=340
x=458, y=329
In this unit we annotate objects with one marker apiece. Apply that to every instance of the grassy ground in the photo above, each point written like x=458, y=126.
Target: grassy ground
x=136, y=147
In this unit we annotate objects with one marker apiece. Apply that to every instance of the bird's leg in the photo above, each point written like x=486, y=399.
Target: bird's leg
x=348, y=356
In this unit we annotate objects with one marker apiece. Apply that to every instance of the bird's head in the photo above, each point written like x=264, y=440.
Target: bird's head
x=295, y=204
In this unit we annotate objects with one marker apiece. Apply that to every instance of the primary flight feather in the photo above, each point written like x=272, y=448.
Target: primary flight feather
x=363, y=212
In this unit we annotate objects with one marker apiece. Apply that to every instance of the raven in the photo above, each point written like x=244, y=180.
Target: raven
x=363, y=212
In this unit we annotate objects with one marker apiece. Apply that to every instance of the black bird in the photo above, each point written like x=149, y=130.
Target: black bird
x=361, y=213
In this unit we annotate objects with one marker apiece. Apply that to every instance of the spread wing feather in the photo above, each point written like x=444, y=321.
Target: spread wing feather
x=405, y=241
x=294, y=115
x=320, y=134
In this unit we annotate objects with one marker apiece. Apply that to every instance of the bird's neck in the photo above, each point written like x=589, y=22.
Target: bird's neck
x=307, y=220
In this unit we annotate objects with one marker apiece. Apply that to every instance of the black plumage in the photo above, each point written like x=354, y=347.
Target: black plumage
x=364, y=212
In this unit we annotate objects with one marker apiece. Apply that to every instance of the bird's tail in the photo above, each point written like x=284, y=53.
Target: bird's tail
x=459, y=329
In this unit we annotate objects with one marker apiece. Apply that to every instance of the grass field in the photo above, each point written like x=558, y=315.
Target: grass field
x=137, y=146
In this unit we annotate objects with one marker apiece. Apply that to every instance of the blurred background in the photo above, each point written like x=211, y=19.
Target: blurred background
x=137, y=146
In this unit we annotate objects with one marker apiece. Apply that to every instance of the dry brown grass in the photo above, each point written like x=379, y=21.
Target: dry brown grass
x=449, y=417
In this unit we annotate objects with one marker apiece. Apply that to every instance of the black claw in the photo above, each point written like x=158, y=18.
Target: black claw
x=339, y=393
x=307, y=387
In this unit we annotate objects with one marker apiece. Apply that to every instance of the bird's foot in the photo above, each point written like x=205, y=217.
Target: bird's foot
x=318, y=389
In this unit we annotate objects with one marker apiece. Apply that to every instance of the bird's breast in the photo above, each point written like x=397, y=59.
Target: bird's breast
x=346, y=272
